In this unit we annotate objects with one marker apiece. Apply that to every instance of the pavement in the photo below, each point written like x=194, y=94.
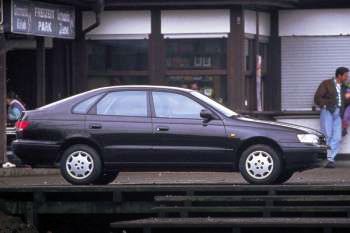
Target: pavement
x=323, y=176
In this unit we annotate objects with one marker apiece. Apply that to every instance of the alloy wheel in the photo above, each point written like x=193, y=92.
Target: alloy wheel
x=79, y=165
x=259, y=164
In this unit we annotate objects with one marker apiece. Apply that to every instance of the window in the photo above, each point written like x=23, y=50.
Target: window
x=117, y=62
x=84, y=106
x=196, y=53
x=172, y=105
x=198, y=64
x=124, y=103
x=249, y=56
x=213, y=86
x=112, y=55
x=103, y=80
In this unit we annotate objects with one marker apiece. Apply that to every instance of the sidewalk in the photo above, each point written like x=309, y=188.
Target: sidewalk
x=16, y=172
x=321, y=176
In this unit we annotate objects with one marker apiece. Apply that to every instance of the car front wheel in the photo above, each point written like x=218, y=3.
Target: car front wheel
x=81, y=165
x=260, y=164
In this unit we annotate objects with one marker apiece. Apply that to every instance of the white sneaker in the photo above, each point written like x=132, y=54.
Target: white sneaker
x=8, y=165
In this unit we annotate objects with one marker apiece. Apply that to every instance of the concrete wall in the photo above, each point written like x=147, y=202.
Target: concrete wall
x=327, y=22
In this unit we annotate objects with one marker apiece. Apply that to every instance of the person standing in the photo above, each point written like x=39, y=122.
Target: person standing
x=330, y=97
x=15, y=107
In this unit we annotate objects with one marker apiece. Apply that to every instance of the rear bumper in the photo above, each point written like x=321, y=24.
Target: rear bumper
x=36, y=153
x=300, y=157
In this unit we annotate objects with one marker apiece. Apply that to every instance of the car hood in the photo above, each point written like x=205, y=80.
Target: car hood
x=286, y=126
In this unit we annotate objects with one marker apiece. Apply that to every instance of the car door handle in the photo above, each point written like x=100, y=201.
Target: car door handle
x=162, y=128
x=95, y=126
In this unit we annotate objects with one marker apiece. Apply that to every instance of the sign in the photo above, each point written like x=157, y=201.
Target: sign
x=42, y=19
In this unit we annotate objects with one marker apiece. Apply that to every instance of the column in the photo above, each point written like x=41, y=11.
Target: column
x=40, y=72
x=235, y=60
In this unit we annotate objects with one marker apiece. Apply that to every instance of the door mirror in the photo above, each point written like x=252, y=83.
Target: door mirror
x=207, y=115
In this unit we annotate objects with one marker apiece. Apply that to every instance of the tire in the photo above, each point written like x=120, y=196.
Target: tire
x=106, y=178
x=80, y=165
x=267, y=165
x=284, y=177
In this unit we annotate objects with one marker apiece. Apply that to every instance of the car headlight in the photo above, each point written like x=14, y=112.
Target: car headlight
x=308, y=138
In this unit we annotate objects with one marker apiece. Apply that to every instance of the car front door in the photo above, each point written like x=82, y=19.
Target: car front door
x=182, y=137
x=120, y=123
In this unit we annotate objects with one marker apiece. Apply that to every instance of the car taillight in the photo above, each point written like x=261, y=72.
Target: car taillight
x=22, y=125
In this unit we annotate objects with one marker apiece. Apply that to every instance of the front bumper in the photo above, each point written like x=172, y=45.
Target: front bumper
x=36, y=153
x=299, y=157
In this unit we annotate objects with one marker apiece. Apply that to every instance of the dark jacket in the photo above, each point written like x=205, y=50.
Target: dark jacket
x=326, y=95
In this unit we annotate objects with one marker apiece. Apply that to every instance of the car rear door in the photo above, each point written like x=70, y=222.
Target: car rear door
x=120, y=122
x=181, y=136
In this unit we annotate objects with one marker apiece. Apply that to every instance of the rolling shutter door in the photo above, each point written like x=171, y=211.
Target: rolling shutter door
x=306, y=61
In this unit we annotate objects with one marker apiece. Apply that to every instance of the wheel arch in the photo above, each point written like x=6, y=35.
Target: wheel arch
x=79, y=140
x=257, y=141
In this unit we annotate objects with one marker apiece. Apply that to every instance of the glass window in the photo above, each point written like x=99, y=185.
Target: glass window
x=124, y=103
x=249, y=55
x=113, y=55
x=228, y=112
x=213, y=86
x=84, y=106
x=95, y=81
x=172, y=105
x=196, y=53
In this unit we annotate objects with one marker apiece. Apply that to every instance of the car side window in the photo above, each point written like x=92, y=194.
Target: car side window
x=84, y=106
x=123, y=103
x=172, y=105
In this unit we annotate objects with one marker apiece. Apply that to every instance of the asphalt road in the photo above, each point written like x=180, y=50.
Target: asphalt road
x=340, y=175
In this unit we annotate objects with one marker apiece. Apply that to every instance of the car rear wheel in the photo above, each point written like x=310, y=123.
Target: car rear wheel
x=81, y=165
x=106, y=178
x=260, y=164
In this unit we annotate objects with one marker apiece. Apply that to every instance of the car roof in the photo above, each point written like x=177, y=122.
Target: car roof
x=112, y=88
x=146, y=87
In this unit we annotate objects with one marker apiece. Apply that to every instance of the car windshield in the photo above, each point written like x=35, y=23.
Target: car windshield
x=226, y=111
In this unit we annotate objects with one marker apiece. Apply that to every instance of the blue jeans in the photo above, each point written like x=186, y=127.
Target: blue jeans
x=331, y=127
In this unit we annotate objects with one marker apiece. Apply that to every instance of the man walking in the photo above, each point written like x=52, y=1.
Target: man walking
x=330, y=97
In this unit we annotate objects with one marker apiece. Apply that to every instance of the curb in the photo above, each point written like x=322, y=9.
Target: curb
x=16, y=172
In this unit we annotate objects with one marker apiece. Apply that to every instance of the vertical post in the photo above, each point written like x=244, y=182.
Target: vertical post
x=273, y=82
x=235, y=58
x=79, y=58
x=3, y=117
x=156, y=55
x=258, y=64
x=40, y=72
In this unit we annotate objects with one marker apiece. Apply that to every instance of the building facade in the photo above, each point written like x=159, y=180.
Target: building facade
x=267, y=56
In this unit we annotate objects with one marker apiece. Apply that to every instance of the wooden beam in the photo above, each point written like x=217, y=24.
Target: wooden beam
x=40, y=72
x=254, y=3
x=272, y=82
x=235, y=58
x=3, y=110
x=114, y=73
x=156, y=52
x=79, y=58
x=199, y=72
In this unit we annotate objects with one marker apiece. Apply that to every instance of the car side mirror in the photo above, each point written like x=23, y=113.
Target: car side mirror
x=207, y=115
